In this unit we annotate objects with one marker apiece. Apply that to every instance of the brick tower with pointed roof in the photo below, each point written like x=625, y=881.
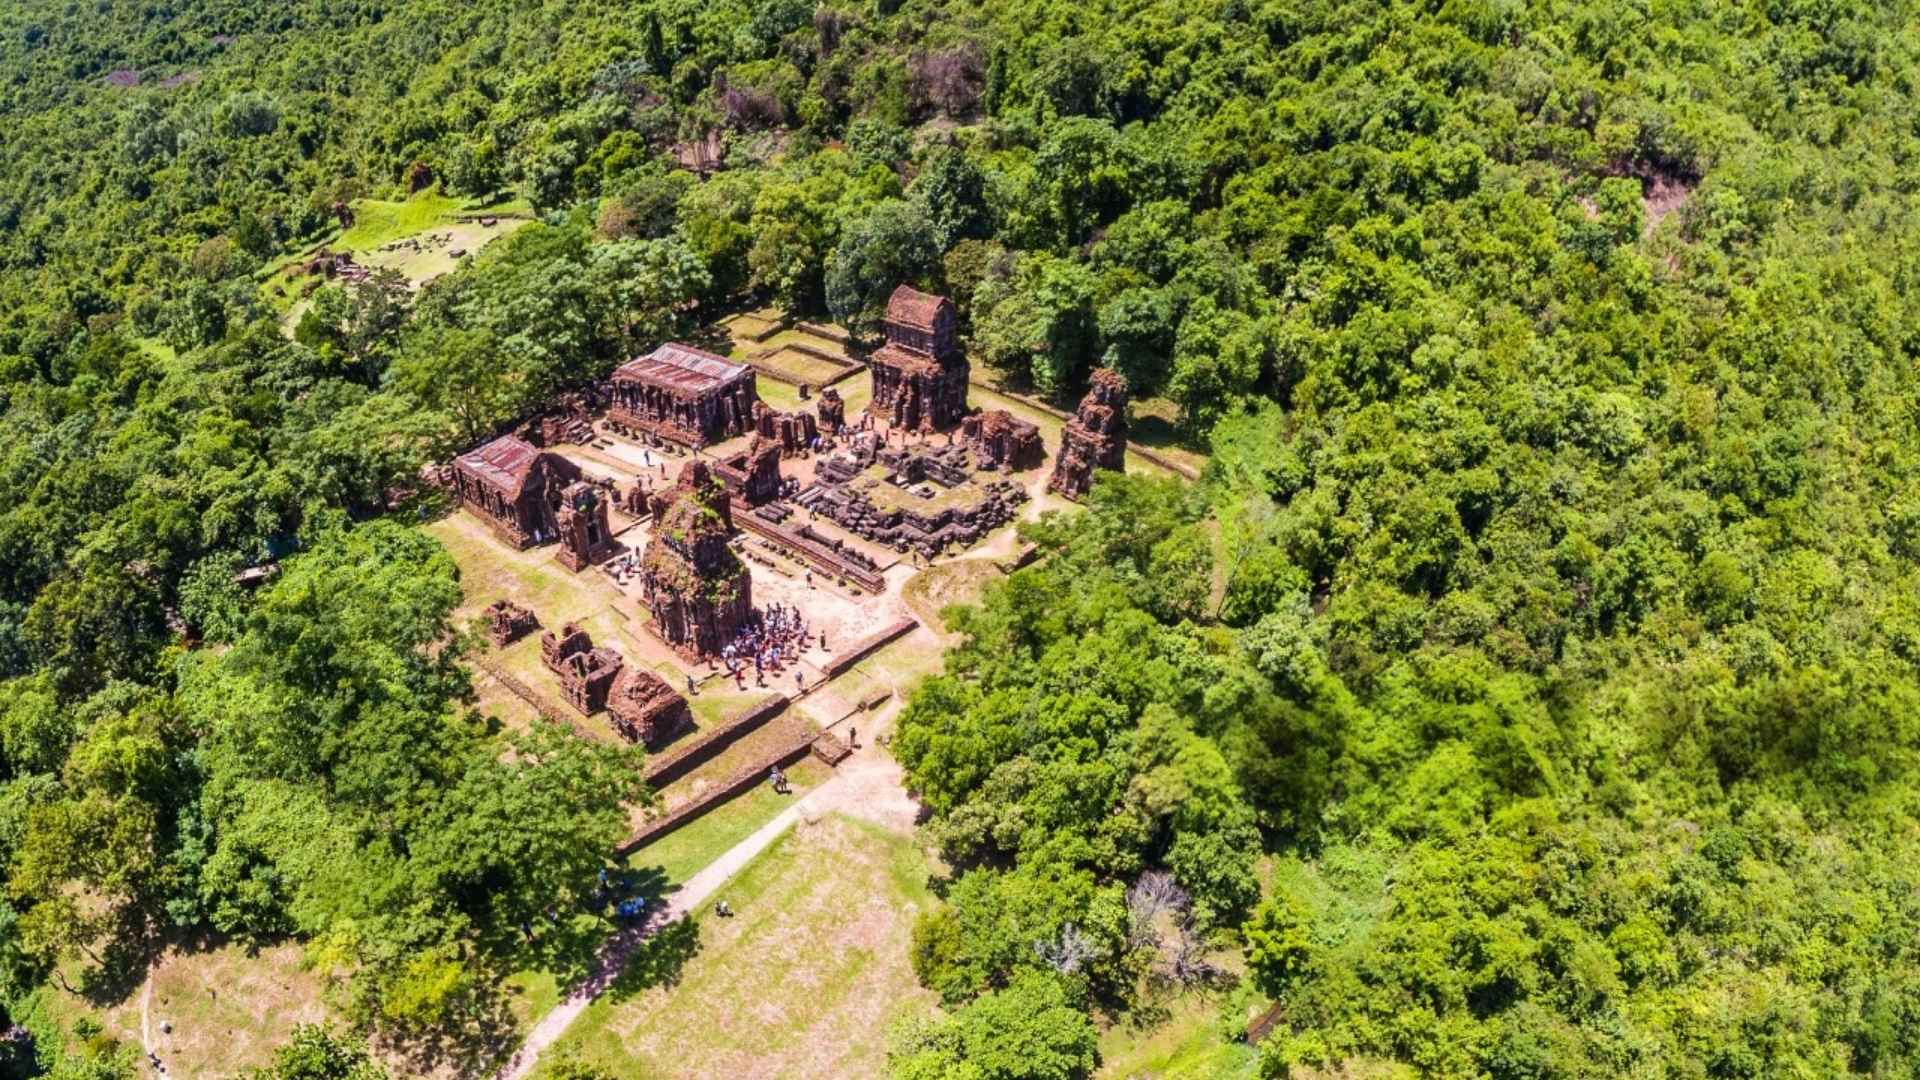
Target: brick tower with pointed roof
x=920, y=374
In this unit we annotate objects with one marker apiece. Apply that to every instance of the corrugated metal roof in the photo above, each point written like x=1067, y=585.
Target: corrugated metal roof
x=504, y=463
x=682, y=368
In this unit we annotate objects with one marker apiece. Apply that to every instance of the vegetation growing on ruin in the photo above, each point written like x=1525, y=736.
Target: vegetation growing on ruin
x=1546, y=614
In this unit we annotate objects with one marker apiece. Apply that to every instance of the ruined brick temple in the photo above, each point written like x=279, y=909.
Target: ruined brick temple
x=1001, y=441
x=1096, y=437
x=923, y=499
x=644, y=708
x=832, y=411
x=586, y=538
x=641, y=705
x=515, y=488
x=753, y=474
x=697, y=589
x=684, y=395
x=508, y=622
x=794, y=432
x=920, y=374
x=586, y=673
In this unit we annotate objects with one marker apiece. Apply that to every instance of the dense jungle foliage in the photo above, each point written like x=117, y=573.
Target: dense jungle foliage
x=1529, y=689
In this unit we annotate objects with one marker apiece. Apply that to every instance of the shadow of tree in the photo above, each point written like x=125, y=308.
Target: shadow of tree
x=478, y=1031
x=657, y=959
x=1156, y=433
x=121, y=966
x=569, y=948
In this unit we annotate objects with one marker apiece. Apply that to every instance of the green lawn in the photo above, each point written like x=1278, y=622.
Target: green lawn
x=804, y=981
x=901, y=664
x=799, y=367
x=681, y=853
x=377, y=222
x=1187, y=1044
x=755, y=746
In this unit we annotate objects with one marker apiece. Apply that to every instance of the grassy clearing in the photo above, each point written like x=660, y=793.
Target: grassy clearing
x=229, y=1006
x=1156, y=427
x=804, y=980
x=377, y=222
x=930, y=591
x=902, y=664
x=681, y=853
x=1187, y=1044
x=490, y=570
x=799, y=367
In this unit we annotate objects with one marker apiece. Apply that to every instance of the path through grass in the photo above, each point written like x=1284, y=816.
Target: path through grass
x=805, y=979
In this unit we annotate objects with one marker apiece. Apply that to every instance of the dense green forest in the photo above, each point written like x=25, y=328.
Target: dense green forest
x=1530, y=689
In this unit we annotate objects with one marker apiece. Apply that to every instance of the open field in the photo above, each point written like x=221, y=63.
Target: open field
x=747, y=326
x=229, y=1006
x=805, y=979
x=797, y=366
x=958, y=582
x=435, y=255
x=1155, y=421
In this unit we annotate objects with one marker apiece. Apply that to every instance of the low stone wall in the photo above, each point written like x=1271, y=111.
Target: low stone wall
x=682, y=760
x=818, y=353
x=1022, y=558
x=541, y=704
x=772, y=329
x=1265, y=1023
x=843, y=368
x=820, y=558
x=821, y=330
x=742, y=779
x=867, y=646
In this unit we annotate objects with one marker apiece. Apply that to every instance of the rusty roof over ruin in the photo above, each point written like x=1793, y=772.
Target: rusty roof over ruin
x=682, y=369
x=505, y=463
x=909, y=306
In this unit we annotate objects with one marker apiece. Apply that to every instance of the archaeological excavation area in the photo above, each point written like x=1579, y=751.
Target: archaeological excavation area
x=668, y=559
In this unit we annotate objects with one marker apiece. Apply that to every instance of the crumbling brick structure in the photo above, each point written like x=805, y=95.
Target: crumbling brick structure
x=1096, y=437
x=752, y=475
x=586, y=538
x=684, y=395
x=1000, y=441
x=645, y=709
x=906, y=509
x=586, y=673
x=514, y=488
x=920, y=374
x=508, y=622
x=555, y=647
x=792, y=432
x=566, y=419
x=697, y=589
x=832, y=411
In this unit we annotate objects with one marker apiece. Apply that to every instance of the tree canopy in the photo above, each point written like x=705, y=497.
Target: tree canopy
x=1526, y=690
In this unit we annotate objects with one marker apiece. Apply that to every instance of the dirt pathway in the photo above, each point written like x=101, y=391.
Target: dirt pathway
x=698, y=888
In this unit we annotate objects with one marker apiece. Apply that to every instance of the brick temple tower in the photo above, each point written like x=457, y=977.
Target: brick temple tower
x=698, y=590
x=920, y=374
x=1096, y=437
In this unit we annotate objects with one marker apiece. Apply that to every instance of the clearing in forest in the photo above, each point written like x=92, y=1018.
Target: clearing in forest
x=422, y=237
x=804, y=980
